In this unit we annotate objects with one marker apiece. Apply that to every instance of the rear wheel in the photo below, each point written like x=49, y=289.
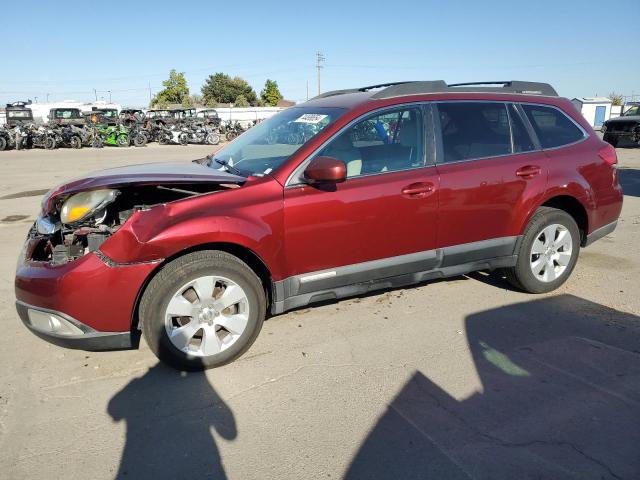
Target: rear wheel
x=213, y=139
x=548, y=252
x=139, y=140
x=231, y=135
x=3, y=143
x=202, y=310
x=49, y=143
x=75, y=142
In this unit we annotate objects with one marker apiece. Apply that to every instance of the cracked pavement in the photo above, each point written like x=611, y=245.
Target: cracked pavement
x=460, y=378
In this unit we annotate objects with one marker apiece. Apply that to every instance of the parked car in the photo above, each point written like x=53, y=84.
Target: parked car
x=66, y=116
x=456, y=178
x=625, y=127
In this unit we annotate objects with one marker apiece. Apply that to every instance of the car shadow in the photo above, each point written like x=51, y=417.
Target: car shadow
x=560, y=398
x=630, y=181
x=169, y=416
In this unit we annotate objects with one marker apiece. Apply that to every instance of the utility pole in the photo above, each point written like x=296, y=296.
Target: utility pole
x=307, y=89
x=95, y=94
x=150, y=94
x=319, y=60
x=47, y=98
x=109, y=95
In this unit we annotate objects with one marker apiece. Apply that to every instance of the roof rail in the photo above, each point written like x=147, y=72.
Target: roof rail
x=397, y=89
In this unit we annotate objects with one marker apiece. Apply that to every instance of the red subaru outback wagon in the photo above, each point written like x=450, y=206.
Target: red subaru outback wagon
x=354, y=190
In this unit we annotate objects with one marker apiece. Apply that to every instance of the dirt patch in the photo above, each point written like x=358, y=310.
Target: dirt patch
x=28, y=193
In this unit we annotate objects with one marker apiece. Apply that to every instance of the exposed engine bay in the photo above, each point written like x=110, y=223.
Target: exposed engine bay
x=79, y=223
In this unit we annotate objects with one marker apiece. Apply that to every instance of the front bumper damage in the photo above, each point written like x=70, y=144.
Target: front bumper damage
x=88, y=303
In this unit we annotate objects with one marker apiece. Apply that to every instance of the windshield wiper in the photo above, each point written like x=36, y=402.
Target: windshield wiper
x=229, y=168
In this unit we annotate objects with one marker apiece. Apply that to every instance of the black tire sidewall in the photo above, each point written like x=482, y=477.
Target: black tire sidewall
x=178, y=273
x=545, y=217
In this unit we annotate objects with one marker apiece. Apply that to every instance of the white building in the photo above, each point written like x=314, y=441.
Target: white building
x=596, y=110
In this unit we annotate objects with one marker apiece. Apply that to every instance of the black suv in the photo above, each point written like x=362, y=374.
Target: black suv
x=625, y=127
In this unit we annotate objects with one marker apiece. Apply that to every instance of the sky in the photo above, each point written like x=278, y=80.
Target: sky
x=67, y=49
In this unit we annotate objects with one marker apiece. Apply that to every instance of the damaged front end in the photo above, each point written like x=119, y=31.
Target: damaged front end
x=76, y=224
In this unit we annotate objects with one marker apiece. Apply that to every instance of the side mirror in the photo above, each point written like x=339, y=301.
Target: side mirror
x=325, y=170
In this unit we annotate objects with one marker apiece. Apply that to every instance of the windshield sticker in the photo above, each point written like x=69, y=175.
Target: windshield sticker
x=311, y=118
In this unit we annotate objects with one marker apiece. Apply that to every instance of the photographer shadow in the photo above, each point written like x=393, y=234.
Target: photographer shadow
x=169, y=416
x=560, y=398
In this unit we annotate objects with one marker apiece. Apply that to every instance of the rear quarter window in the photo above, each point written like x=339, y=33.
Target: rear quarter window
x=553, y=127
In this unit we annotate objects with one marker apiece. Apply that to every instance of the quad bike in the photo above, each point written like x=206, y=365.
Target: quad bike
x=233, y=130
x=137, y=136
x=7, y=139
x=115, y=135
x=198, y=135
x=41, y=137
x=68, y=137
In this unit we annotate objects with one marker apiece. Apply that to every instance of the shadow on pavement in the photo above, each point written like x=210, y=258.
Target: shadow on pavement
x=169, y=415
x=560, y=399
x=630, y=181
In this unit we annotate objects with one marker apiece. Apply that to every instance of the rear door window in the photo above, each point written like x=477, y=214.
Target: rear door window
x=521, y=140
x=553, y=128
x=474, y=130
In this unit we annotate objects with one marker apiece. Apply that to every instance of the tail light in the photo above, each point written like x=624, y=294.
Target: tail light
x=608, y=154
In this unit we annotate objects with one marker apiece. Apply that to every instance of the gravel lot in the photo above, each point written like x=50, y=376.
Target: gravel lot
x=463, y=378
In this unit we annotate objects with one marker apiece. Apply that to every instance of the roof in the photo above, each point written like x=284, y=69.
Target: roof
x=398, y=89
x=593, y=99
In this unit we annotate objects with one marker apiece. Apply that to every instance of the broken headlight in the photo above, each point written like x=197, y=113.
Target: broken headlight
x=82, y=205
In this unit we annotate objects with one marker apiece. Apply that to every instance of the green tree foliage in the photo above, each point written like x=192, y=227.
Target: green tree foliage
x=616, y=98
x=221, y=88
x=241, y=101
x=271, y=94
x=175, y=90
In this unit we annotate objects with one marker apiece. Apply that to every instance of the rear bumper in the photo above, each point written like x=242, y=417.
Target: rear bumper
x=77, y=335
x=599, y=233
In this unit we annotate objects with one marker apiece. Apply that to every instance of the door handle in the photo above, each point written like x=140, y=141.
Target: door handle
x=418, y=189
x=528, y=171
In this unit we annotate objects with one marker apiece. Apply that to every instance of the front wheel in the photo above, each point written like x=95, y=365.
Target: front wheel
x=213, y=139
x=202, y=310
x=3, y=143
x=139, y=140
x=122, y=140
x=548, y=252
x=49, y=143
x=231, y=135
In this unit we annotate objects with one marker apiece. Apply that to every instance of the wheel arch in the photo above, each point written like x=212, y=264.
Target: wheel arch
x=248, y=256
x=569, y=204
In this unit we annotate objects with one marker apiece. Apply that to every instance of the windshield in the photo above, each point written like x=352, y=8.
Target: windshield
x=635, y=110
x=266, y=146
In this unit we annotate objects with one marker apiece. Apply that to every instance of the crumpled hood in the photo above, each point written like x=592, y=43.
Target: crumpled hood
x=145, y=174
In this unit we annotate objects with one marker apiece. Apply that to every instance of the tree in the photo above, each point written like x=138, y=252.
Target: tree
x=241, y=101
x=271, y=94
x=616, y=98
x=175, y=90
x=221, y=88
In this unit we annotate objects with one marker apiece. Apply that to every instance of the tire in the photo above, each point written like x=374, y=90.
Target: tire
x=184, y=139
x=139, y=140
x=213, y=139
x=122, y=140
x=3, y=143
x=522, y=276
x=231, y=135
x=75, y=142
x=164, y=140
x=166, y=286
x=50, y=143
